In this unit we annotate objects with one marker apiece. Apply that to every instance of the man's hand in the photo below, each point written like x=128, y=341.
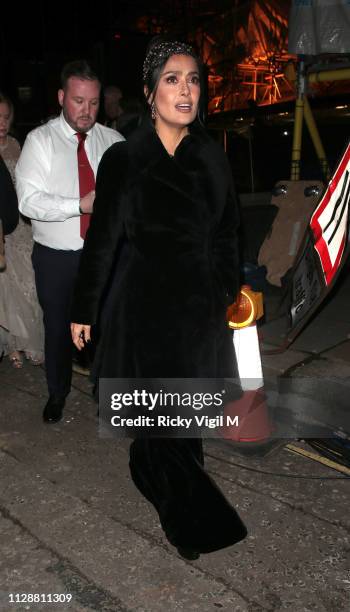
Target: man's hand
x=87, y=202
x=80, y=334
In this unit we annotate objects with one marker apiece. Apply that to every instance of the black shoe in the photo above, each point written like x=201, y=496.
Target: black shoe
x=53, y=409
x=187, y=553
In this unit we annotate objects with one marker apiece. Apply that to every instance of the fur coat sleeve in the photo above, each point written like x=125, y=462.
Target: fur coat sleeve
x=103, y=237
x=225, y=246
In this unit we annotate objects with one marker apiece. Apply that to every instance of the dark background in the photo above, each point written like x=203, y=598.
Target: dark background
x=37, y=40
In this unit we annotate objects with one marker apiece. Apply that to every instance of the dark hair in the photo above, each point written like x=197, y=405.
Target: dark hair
x=80, y=69
x=152, y=76
x=131, y=104
x=112, y=89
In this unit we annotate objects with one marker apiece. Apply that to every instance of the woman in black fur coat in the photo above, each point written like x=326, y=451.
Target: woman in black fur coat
x=164, y=228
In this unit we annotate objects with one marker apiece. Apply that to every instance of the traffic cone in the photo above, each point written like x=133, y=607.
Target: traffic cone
x=249, y=420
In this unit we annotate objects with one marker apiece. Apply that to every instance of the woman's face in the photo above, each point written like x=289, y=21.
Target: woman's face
x=178, y=91
x=5, y=119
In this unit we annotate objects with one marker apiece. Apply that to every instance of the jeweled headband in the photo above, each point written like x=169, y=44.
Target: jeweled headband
x=161, y=52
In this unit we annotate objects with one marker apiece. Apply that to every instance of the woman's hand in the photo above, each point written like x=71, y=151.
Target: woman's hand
x=80, y=334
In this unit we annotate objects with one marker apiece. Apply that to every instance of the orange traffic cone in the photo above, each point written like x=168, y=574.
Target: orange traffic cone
x=252, y=413
x=249, y=413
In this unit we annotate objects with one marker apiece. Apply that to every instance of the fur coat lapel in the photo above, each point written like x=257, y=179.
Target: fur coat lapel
x=150, y=159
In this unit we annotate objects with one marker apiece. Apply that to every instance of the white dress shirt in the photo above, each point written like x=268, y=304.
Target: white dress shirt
x=47, y=180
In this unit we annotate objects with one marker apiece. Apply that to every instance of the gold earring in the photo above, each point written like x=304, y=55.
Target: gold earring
x=153, y=111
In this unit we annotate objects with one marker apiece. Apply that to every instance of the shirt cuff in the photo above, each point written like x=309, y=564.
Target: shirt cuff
x=71, y=207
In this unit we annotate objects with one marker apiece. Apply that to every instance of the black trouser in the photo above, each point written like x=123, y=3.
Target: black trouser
x=55, y=274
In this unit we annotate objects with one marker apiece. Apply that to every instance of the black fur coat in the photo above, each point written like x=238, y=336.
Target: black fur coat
x=161, y=254
x=163, y=241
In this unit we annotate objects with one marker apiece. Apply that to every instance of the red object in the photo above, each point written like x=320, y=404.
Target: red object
x=330, y=230
x=86, y=181
x=253, y=419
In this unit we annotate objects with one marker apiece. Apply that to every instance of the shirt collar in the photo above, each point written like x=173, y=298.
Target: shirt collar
x=68, y=130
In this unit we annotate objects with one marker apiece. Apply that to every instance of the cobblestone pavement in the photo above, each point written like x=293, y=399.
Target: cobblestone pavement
x=72, y=522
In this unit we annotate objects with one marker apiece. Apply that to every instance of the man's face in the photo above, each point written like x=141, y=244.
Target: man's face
x=80, y=101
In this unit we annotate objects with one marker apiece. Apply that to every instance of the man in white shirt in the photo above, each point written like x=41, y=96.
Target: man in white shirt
x=49, y=187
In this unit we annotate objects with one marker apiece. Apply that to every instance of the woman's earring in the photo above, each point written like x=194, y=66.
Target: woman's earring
x=153, y=111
